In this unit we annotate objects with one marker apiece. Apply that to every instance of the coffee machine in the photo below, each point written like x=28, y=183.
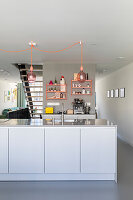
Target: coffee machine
x=78, y=106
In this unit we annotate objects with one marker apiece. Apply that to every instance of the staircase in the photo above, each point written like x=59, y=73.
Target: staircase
x=33, y=91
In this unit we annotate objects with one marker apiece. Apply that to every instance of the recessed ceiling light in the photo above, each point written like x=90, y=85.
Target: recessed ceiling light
x=120, y=57
x=105, y=70
x=33, y=43
x=1, y=70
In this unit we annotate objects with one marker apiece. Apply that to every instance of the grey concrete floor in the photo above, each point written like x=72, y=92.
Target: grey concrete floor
x=77, y=190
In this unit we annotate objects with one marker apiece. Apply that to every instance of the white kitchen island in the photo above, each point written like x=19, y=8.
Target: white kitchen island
x=41, y=150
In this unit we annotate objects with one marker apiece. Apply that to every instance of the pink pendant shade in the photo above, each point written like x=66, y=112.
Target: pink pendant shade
x=31, y=77
x=81, y=77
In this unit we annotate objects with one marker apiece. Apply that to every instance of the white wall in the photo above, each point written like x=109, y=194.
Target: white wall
x=117, y=110
x=5, y=86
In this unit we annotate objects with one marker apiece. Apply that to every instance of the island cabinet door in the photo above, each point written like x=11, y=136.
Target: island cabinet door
x=62, y=150
x=26, y=150
x=3, y=150
x=98, y=150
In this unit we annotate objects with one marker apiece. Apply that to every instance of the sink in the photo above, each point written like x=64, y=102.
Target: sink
x=66, y=120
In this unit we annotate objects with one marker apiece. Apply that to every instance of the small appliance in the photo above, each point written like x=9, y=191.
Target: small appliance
x=78, y=106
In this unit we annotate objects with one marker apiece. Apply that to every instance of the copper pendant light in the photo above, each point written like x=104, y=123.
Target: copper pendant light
x=31, y=76
x=81, y=77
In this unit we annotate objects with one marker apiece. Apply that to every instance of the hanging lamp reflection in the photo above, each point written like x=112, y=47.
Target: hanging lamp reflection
x=81, y=77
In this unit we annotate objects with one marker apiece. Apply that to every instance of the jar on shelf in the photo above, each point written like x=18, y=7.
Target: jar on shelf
x=88, y=92
x=83, y=91
x=57, y=95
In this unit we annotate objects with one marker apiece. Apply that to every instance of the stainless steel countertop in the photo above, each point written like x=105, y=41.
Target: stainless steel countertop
x=57, y=123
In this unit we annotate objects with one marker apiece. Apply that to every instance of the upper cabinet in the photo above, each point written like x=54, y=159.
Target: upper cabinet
x=3, y=150
x=26, y=150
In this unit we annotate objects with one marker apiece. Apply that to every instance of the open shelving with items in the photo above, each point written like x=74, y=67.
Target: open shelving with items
x=84, y=88
x=59, y=91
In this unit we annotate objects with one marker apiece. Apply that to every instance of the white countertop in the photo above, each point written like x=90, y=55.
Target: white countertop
x=57, y=123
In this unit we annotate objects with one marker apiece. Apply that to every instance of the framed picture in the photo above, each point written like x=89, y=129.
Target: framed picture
x=108, y=93
x=122, y=93
x=116, y=93
x=112, y=93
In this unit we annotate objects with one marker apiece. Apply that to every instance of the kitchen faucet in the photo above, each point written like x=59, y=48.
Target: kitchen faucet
x=62, y=114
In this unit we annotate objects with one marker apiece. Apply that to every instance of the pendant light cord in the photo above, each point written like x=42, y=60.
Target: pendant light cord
x=32, y=46
x=57, y=50
x=31, y=67
x=81, y=53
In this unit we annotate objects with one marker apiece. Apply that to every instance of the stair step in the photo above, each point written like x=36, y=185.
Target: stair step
x=35, y=70
x=32, y=86
x=36, y=113
x=34, y=101
x=33, y=91
x=35, y=109
x=35, y=81
x=35, y=105
x=33, y=96
x=23, y=75
x=35, y=117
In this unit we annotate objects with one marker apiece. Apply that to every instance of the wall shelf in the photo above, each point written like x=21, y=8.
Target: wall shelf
x=55, y=92
x=76, y=89
x=57, y=98
x=48, y=97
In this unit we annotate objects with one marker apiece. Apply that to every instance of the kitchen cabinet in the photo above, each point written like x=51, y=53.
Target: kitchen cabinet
x=62, y=150
x=98, y=150
x=26, y=150
x=3, y=150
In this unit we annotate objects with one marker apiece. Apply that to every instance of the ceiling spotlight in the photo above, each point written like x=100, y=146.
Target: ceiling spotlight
x=1, y=70
x=120, y=57
x=32, y=43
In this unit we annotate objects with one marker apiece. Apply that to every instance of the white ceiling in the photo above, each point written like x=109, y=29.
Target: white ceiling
x=104, y=26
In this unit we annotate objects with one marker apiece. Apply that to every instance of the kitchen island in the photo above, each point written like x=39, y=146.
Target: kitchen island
x=47, y=150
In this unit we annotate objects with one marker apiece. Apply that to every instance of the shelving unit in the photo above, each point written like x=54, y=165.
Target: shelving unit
x=56, y=91
x=78, y=88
